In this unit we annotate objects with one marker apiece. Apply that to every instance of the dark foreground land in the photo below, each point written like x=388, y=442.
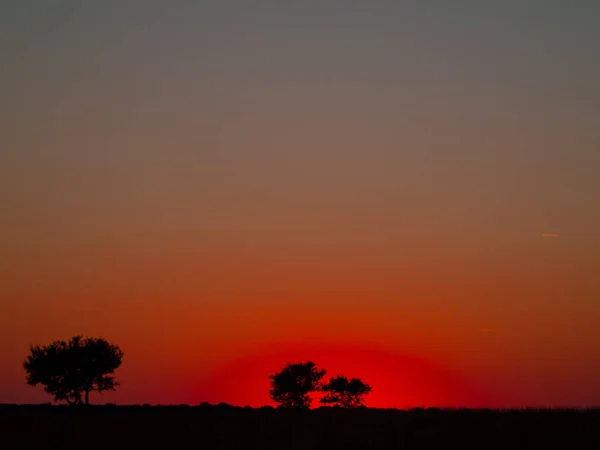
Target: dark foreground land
x=224, y=427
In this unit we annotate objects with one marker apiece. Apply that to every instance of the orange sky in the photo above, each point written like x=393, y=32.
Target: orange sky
x=208, y=189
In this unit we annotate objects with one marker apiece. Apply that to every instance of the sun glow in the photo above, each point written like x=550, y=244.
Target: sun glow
x=398, y=381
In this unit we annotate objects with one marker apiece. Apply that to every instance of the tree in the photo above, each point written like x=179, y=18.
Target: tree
x=70, y=370
x=347, y=394
x=291, y=386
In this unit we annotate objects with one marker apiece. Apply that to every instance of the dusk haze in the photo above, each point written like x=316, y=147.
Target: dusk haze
x=402, y=191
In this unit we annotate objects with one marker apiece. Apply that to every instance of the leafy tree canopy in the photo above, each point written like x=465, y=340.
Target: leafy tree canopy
x=345, y=393
x=291, y=387
x=70, y=370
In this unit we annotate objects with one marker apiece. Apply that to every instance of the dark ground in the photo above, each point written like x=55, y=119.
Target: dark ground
x=224, y=427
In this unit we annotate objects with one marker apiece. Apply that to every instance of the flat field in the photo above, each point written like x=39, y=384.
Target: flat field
x=226, y=427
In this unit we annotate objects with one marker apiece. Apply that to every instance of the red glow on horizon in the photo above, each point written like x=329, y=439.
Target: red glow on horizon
x=398, y=381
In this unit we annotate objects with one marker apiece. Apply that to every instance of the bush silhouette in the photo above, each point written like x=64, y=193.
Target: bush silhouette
x=71, y=370
x=291, y=386
x=347, y=394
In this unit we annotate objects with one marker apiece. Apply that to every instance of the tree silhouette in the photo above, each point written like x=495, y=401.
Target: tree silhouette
x=291, y=386
x=347, y=394
x=70, y=370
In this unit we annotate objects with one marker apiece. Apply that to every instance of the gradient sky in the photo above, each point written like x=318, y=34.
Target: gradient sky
x=217, y=185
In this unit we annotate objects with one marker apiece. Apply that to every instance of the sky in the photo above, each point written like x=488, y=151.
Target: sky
x=221, y=186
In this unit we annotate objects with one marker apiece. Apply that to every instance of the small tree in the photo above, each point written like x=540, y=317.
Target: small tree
x=291, y=386
x=70, y=370
x=347, y=394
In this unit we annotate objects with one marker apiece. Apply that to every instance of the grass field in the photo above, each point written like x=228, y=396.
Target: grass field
x=225, y=427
